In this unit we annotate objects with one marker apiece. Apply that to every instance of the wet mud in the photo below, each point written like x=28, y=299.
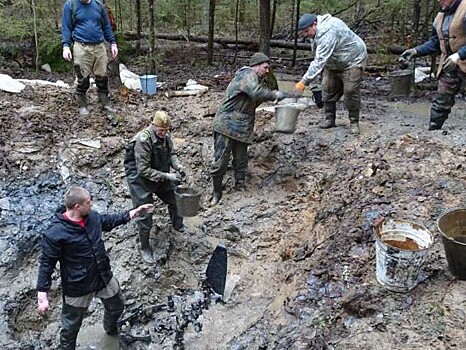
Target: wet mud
x=301, y=250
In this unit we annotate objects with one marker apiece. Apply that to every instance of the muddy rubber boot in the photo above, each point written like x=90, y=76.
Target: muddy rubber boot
x=354, y=122
x=436, y=119
x=104, y=102
x=217, y=194
x=113, y=308
x=330, y=114
x=82, y=105
x=240, y=182
x=146, y=250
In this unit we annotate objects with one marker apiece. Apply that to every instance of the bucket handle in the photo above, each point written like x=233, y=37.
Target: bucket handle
x=377, y=225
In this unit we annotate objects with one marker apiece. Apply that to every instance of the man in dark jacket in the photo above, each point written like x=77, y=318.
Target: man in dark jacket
x=149, y=157
x=234, y=122
x=449, y=39
x=75, y=240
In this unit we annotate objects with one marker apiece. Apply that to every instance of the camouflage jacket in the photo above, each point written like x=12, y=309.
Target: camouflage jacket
x=236, y=115
x=148, y=156
x=336, y=48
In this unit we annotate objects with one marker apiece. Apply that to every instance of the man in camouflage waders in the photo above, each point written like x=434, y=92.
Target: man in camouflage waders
x=234, y=122
x=149, y=157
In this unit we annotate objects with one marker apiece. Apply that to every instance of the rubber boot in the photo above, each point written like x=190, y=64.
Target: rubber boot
x=240, y=182
x=113, y=308
x=146, y=250
x=82, y=105
x=217, y=194
x=437, y=119
x=177, y=221
x=354, y=122
x=71, y=319
x=104, y=102
x=330, y=114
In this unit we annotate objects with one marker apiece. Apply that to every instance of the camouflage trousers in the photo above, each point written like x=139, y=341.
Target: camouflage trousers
x=449, y=85
x=90, y=59
x=224, y=146
x=343, y=83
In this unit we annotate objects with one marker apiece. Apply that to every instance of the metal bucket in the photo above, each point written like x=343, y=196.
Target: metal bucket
x=187, y=201
x=452, y=226
x=400, y=82
x=400, y=247
x=286, y=118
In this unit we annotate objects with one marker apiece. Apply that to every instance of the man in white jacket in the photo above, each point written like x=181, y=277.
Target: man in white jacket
x=341, y=57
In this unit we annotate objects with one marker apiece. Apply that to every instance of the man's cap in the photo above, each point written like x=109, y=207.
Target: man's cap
x=306, y=21
x=161, y=119
x=258, y=58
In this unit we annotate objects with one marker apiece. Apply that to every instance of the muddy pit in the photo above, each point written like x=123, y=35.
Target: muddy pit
x=300, y=246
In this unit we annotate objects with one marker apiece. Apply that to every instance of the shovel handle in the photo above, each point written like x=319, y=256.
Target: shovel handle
x=378, y=224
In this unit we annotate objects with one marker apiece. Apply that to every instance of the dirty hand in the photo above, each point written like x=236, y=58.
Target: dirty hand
x=299, y=88
x=42, y=302
x=175, y=178
x=114, y=49
x=451, y=62
x=282, y=95
x=182, y=174
x=67, y=53
x=408, y=55
x=142, y=209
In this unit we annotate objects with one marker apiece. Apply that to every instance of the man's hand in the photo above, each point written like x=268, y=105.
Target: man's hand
x=175, y=178
x=282, y=95
x=451, y=62
x=408, y=55
x=114, y=49
x=142, y=209
x=299, y=88
x=182, y=174
x=67, y=53
x=42, y=302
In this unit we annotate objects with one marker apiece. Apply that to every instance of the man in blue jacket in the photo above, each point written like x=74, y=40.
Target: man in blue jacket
x=75, y=240
x=85, y=23
x=449, y=40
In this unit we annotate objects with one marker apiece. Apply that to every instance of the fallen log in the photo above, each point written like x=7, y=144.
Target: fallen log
x=252, y=45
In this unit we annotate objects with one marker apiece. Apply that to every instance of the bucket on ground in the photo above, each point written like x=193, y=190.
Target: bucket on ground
x=187, y=201
x=452, y=227
x=400, y=82
x=148, y=84
x=400, y=247
x=286, y=118
x=317, y=97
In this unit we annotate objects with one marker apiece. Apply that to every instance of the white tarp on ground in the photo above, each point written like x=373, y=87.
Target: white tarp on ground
x=9, y=84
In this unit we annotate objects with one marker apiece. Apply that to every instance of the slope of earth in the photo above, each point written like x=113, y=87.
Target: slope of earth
x=299, y=239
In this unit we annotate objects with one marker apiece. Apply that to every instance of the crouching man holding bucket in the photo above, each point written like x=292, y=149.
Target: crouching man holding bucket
x=149, y=157
x=234, y=122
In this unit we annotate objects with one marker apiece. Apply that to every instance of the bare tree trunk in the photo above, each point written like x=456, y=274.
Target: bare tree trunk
x=152, y=36
x=298, y=5
x=205, y=16
x=210, y=43
x=416, y=19
x=138, y=26
x=36, y=41
x=264, y=26
x=274, y=13
x=236, y=29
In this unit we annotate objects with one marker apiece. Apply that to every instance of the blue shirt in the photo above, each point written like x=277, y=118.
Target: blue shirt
x=91, y=24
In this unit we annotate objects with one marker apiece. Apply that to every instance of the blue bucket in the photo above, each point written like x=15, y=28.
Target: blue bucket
x=148, y=84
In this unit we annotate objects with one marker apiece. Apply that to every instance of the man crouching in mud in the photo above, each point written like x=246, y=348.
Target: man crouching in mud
x=74, y=238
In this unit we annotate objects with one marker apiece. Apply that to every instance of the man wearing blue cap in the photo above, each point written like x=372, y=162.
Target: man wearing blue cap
x=341, y=57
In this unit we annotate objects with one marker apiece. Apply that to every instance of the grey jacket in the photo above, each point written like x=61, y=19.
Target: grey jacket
x=336, y=47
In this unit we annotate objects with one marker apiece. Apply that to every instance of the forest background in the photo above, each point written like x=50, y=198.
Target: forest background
x=30, y=29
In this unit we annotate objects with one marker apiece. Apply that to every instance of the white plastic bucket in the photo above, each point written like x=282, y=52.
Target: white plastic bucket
x=148, y=84
x=400, y=247
x=286, y=118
